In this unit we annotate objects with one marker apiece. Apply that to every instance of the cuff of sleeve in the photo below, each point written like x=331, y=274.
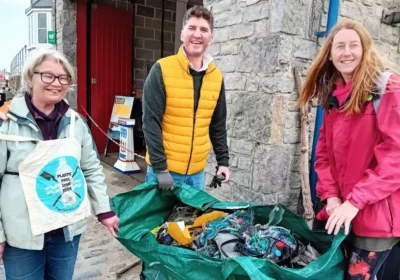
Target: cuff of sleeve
x=356, y=202
x=161, y=166
x=329, y=195
x=223, y=162
x=106, y=215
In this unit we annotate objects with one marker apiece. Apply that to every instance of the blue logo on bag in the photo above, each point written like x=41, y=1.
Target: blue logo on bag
x=61, y=185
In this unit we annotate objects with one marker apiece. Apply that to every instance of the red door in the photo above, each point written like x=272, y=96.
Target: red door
x=111, y=64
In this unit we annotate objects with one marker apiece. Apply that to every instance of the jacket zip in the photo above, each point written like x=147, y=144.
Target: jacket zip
x=391, y=215
x=191, y=147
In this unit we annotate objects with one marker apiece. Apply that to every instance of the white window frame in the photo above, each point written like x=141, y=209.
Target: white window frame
x=41, y=28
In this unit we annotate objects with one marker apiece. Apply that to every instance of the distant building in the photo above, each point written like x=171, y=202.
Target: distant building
x=40, y=22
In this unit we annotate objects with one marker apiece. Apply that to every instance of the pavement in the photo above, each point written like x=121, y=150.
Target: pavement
x=100, y=256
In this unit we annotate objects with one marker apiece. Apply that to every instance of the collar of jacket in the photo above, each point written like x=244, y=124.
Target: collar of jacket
x=19, y=113
x=184, y=62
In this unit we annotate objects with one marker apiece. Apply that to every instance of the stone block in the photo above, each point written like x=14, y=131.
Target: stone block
x=252, y=83
x=245, y=195
x=292, y=120
x=304, y=48
x=241, y=178
x=295, y=164
x=117, y=267
x=261, y=27
x=271, y=168
x=241, y=146
x=291, y=136
x=245, y=163
x=221, y=35
x=294, y=180
x=250, y=117
x=228, y=18
x=256, y=12
x=227, y=63
x=234, y=81
x=284, y=19
x=251, y=2
x=214, y=49
x=373, y=26
x=368, y=2
x=241, y=31
x=352, y=10
x=222, y=6
x=233, y=159
x=281, y=82
x=263, y=54
x=231, y=47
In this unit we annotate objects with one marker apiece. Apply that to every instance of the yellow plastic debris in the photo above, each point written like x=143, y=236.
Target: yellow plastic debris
x=206, y=218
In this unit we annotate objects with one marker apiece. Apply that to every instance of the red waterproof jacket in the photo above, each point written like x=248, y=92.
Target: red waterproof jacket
x=358, y=159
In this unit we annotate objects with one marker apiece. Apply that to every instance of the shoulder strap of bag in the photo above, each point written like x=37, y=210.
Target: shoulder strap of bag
x=381, y=85
x=72, y=125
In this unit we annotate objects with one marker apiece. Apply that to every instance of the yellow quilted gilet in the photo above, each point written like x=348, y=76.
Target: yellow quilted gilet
x=185, y=134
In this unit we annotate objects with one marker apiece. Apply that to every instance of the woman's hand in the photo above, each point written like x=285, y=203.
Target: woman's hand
x=112, y=224
x=332, y=203
x=2, y=245
x=342, y=216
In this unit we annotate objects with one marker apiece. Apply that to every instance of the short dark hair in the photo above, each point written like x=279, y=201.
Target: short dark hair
x=199, y=12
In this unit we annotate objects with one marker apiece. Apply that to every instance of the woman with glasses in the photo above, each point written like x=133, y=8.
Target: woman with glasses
x=51, y=177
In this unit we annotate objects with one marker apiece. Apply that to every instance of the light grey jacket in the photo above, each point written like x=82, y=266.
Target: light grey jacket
x=14, y=217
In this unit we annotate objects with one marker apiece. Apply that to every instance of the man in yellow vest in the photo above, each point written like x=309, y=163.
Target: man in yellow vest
x=184, y=107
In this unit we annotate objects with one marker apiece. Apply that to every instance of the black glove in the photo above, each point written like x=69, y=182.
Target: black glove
x=165, y=181
x=216, y=181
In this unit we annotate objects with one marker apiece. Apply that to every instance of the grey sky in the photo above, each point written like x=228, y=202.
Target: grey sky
x=13, y=30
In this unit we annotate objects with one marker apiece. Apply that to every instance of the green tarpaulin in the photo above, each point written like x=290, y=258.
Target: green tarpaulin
x=146, y=207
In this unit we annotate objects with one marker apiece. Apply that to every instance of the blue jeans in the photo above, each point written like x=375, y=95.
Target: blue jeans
x=195, y=180
x=56, y=261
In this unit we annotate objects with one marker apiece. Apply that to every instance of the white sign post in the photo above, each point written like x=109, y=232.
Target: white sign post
x=126, y=163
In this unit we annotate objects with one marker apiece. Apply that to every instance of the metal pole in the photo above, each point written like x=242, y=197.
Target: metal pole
x=333, y=14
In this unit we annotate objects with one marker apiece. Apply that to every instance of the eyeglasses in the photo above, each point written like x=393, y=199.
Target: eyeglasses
x=48, y=78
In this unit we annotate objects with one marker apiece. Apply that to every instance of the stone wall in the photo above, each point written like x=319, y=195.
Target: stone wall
x=257, y=44
x=64, y=21
x=147, y=43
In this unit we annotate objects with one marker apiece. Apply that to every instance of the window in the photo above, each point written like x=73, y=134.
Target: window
x=30, y=30
x=42, y=28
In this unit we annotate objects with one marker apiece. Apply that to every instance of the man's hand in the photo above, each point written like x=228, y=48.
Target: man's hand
x=165, y=181
x=225, y=170
x=342, y=216
x=2, y=245
x=332, y=203
x=112, y=224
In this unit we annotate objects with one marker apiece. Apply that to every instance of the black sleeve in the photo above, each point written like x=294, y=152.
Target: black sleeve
x=153, y=112
x=218, y=134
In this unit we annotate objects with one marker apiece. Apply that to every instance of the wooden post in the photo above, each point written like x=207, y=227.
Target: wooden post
x=305, y=155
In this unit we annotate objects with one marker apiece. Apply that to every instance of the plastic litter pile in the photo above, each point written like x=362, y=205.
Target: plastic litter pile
x=221, y=235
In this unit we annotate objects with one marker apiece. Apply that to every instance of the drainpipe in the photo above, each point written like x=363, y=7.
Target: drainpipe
x=333, y=14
